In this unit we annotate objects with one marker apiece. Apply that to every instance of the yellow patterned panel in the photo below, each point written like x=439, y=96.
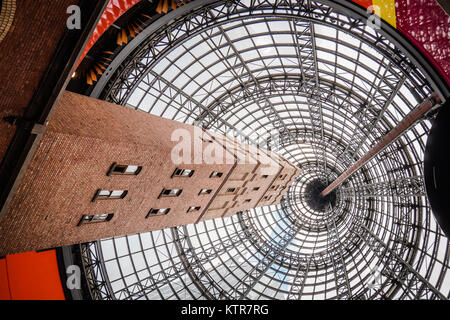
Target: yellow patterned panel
x=8, y=10
x=387, y=10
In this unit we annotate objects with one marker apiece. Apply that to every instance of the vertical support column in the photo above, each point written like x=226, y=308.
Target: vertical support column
x=343, y=288
x=298, y=283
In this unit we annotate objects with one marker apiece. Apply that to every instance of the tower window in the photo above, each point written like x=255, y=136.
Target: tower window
x=109, y=194
x=124, y=169
x=170, y=193
x=247, y=200
x=206, y=139
x=157, y=212
x=216, y=174
x=95, y=218
x=182, y=173
x=192, y=209
x=231, y=190
x=204, y=191
x=264, y=176
x=255, y=188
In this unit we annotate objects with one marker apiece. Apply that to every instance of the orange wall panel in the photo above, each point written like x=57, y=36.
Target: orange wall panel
x=5, y=293
x=30, y=276
x=363, y=3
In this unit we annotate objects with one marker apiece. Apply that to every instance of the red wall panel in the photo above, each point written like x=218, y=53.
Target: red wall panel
x=427, y=26
x=30, y=276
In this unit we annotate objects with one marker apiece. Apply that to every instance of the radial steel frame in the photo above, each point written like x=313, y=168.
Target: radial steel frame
x=316, y=107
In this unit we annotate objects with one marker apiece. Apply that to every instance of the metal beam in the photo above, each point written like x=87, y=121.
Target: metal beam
x=404, y=125
x=409, y=277
x=400, y=187
x=269, y=257
x=343, y=288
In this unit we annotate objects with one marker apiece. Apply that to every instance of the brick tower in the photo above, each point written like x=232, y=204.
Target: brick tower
x=102, y=170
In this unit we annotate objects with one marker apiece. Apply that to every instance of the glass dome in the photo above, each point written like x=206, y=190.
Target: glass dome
x=314, y=83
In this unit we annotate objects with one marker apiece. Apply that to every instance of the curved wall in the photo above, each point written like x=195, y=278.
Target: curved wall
x=423, y=22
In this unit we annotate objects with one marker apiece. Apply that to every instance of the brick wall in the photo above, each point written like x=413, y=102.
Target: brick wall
x=84, y=138
x=25, y=53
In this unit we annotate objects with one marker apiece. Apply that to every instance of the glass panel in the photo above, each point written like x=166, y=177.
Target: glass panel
x=320, y=85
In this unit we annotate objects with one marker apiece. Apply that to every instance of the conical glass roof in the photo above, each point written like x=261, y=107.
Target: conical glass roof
x=314, y=83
